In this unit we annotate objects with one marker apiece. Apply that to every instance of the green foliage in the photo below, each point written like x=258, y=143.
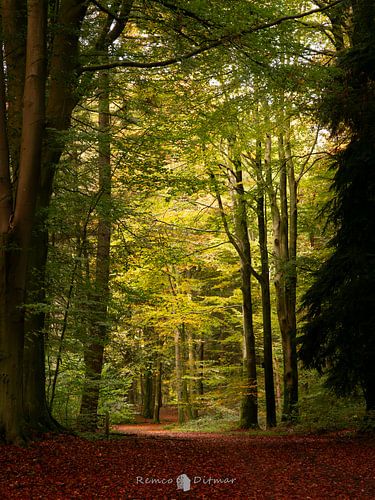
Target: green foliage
x=321, y=410
x=68, y=393
x=339, y=335
x=114, y=388
x=171, y=265
x=222, y=420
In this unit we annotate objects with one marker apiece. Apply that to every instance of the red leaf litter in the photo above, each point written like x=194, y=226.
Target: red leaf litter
x=231, y=466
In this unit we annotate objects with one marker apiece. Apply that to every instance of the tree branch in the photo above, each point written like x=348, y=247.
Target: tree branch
x=208, y=46
x=152, y=64
x=185, y=12
x=230, y=236
x=104, y=9
x=123, y=17
x=291, y=17
x=304, y=168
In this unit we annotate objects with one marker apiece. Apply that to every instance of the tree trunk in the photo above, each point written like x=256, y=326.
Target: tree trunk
x=132, y=396
x=284, y=228
x=158, y=392
x=37, y=414
x=192, y=386
x=200, y=386
x=36, y=410
x=61, y=101
x=241, y=243
x=186, y=396
x=291, y=400
x=266, y=299
x=277, y=384
x=94, y=351
x=16, y=233
x=148, y=410
x=369, y=394
x=13, y=31
x=179, y=374
x=249, y=405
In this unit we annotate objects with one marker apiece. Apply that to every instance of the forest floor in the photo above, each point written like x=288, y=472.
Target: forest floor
x=145, y=460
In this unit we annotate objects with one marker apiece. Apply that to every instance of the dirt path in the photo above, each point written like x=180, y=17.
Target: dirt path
x=145, y=426
x=230, y=466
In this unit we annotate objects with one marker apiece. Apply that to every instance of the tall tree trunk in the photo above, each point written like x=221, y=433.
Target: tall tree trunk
x=13, y=32
x=192, y=386
x=158, y=391
x=148, y=392
x=179, y=375
x=132, y=396
x=284, y=221
x=16, y=233
x=291, y=401
x=277, y=384
x=249, y=405
x=94, y=351
x=62, y=97
x=241, y=243
x=200, y=386
x=266, y=298
x=185, y=386
x=36, y=410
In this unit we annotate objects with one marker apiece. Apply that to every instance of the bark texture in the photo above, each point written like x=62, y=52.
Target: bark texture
x=16, y=233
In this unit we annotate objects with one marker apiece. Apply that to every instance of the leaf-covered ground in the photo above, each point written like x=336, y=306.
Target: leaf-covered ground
x=134, y=467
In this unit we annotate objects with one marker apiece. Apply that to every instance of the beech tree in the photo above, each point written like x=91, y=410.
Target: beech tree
x=284, y=225
x=31, y=145
x=241, y=242
x=20, y=175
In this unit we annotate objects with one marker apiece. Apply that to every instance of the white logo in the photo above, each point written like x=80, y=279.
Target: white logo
x=183, y=482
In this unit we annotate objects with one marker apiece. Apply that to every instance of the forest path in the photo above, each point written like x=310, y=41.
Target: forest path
x=168, y=415
x=230, y=466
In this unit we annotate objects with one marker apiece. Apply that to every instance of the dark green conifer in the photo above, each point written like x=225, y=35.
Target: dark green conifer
x=339, y=336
